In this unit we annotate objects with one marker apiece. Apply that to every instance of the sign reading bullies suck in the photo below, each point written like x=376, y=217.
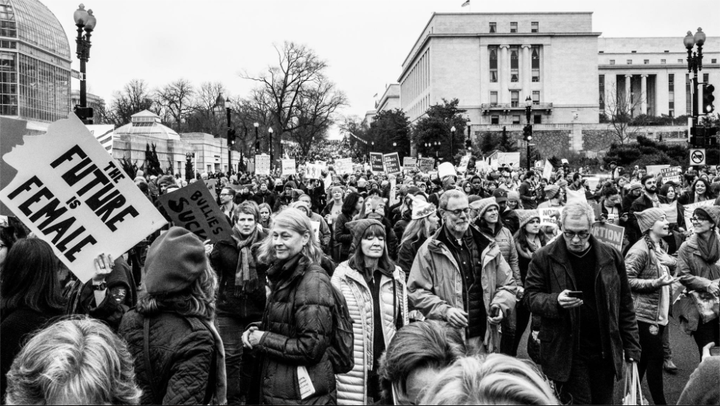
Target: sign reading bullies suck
x=69, y=192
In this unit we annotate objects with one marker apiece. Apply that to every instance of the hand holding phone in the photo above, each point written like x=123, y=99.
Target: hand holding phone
x=566, y=301
x=578, y=294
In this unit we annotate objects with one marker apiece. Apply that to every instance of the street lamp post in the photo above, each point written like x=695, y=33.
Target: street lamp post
x=694, y=63
x=528, y=128
x=256, y=125
x=452, y=139
x=230, y=137
x=270, y=132
x=84, y=20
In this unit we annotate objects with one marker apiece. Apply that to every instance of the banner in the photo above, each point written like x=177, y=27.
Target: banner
x=576, y=195
x=547, y=170
x=288, y=167
x=314, y=171
x=343, y=166
x=376, y=162
x=508, y=159
x=671, y=174
x=262, y=165
x=194, y=209
x=655, y=169
x=409, y=163
x=69, y=192
x=211, y=185
x=464, y=161
x=392, y=163
x=670, y=210
x=426, y=165
x=481, y=165
x=609, y=234
x=690, y=208
x=550, y=216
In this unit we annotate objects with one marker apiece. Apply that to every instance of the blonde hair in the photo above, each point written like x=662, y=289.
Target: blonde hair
x=77, y=360
x=493, y=379
x=298, y=222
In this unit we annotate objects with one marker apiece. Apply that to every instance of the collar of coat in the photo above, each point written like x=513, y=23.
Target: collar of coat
x=558, y=252
x=436, y=246
x=398, y=275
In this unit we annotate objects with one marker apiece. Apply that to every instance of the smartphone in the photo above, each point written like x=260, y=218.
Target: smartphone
x=715, y=351
x=576, y=294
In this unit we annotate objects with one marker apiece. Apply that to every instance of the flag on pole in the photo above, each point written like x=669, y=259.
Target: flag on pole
x=467, y=3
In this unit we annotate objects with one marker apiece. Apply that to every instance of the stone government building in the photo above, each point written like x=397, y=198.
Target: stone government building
x=492, y=62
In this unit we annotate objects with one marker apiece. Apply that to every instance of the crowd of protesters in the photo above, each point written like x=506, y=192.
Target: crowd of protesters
x=440, y=275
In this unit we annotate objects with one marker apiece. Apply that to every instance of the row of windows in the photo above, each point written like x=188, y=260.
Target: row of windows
x=419, y=77
x=671, y=92
x=534, y=27
x=514, y=97
x=515, y=64
x=662, y=61
x=38, y=26
x=44, y=89
x=495, y=119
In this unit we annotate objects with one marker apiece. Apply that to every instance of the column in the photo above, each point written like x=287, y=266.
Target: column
x=643, y=94
x=628, y=89
x=504, y=74
x=527, y=71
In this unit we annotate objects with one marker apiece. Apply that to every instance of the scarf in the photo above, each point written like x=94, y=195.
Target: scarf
x=246, y=278
x=709, y=248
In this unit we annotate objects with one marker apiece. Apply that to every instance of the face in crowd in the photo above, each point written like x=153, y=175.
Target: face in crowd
x=225, y=196
x=650, y=186
x=246, y=223
x=576, y=232
x=456, y=216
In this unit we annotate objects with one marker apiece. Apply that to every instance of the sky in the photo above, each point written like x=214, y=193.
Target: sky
x=363, y=41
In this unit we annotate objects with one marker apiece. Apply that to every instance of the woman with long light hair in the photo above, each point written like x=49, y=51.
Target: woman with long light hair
x=423, y=225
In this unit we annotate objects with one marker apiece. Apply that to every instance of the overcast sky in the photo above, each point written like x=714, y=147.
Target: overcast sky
x=364, y=41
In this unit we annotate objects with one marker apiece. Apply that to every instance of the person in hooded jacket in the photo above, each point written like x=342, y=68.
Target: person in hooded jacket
x=377, y=299
x=423, y=224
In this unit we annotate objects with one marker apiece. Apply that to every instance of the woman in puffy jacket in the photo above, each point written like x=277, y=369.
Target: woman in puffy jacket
x=297, y=325
x=649, y=277
x=376, y=294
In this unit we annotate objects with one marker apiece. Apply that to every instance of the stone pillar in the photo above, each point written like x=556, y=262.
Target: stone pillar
x=628, y=90
x=643, y=94
x=527, y=71
x=504, y=74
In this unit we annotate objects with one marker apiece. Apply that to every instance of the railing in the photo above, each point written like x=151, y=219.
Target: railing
x=514, y=106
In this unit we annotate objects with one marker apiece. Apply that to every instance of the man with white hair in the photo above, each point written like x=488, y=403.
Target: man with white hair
x=579, y=287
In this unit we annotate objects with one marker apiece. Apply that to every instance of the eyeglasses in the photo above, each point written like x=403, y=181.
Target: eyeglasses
x=457, y=212
x=698, y=219
x=224, y=194
x=570, y=235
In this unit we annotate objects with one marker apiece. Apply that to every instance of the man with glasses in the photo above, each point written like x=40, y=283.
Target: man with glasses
x=460, y=276
x=579, y=287
x=227, y=204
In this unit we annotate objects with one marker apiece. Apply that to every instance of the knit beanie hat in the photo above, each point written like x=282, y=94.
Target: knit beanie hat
x=301, y=205
x=713, y=212
x=562, y=183
x=422, y=209
x=483, y=205
x=551, y=191
x=446, y=169
x=513, y=196
x=634, y=185
x=357, y=229
x=174, y=261
x=500, y=195
x=648, y=217
x=524, y=216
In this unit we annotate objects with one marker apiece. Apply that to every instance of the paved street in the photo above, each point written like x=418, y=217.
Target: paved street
x=685, y=356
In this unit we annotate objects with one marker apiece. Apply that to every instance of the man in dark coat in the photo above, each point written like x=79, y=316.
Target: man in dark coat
x=585, y=335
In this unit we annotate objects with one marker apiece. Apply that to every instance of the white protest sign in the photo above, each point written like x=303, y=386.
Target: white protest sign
x=262, y=165
x=481, y=165
x=670, y=210
x=671, y=174
x=343, y=166
x=690, y=208
x=69, y=192
x=547, y=170
x=550, y=216
x=464, y=161
x=576, y=196
x=509, y=159
x=313, y=171
x=655, y=169
x=288, y=167
x=316, y=230
x=493, y=163
x=409, y=163
x=609, y=234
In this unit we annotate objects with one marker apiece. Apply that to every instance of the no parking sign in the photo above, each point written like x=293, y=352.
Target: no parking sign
x=697, y=157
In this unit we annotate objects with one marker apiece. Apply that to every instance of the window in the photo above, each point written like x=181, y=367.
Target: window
x=514, y=98
x=493, y=28
x=493, y=64
x=646, y=61
x=680, y=60
x=514, y=65
x=536, y=97
x=612, y=62
x=633, y=52
x=601, y=88
x=535, y=64
x=629, y=61
x=534, y=26
x=671, y=82
x=516, y=119
x=494, y=98
x=688, y=104
x=513, y=27
x=663, y=61
x=494, y=119
x=537, y=119
x=714, y=60
x=706, y=77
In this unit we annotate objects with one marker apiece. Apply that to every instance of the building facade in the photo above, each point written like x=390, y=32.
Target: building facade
x=34, y=63
x=390, y=100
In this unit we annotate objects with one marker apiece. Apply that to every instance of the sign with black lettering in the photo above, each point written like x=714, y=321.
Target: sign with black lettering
x=426, y=165
x=70, y=192
x=376, y=162
x=392, y=163
x=194, y=209
x=609, y=234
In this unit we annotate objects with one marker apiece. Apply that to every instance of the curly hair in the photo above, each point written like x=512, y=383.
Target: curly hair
x=77, y=360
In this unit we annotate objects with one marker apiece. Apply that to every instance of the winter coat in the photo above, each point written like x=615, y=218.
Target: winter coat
x=181, y=354
x=642, y=268
x=695, y=274
x=352, y=386
x=407, y=252
x=402, y=223
x=548, y=275
x=267, y=197
x=343, y=236
x=298, y=326
x=503, y=237
x=224, y=259
x=436, y=284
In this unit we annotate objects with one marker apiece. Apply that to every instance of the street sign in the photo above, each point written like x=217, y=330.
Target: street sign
x=697, y=156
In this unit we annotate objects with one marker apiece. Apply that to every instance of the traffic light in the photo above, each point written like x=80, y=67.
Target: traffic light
x=708, y=99
x=468, y=144
x=527, y=133
x=230, y=137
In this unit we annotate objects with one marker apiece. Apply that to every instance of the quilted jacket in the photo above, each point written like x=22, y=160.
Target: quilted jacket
x=181, y=353
x=642, y=268
x=352, y=386
x=298, y=324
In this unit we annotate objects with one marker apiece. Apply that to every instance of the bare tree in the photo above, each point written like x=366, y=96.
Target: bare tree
x=134, y=98
x=619, y=113
x=203, y=117
x=175, y=99
x=297, y=95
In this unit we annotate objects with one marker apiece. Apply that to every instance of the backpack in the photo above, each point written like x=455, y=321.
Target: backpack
x=341, y=346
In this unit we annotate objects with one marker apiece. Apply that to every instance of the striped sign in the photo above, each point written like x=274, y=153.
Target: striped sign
x=104, y=133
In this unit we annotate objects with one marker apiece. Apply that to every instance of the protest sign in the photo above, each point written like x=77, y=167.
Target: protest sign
x=409, y=163
x=576, y=196
x=609, y=234
x=11, y=134
x=655, y=169
x=69, y=192
x=343, y=166
x=550, y=216
x=592, y=182
x=464, y=161
x=194, y=209
x=671, y=174
x=547, y=170
x=211, y=184
x=509, y=159
x=690, y=208
x=392, y=163
x=262, y=164
x=376, y=162
x=670, y=210
x=316, y=230
x=313, y=171
x=288, y=167
x=481, y=165
x=358, y=168
x=426, y=165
